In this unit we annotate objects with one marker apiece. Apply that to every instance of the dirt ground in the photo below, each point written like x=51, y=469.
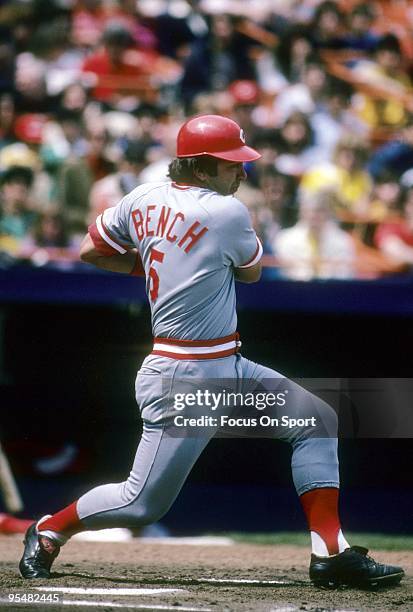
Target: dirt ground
x=187, y=570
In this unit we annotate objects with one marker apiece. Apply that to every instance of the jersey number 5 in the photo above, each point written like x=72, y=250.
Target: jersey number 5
x=153, y=274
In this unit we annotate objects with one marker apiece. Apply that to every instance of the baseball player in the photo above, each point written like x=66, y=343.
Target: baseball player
x=191, y=238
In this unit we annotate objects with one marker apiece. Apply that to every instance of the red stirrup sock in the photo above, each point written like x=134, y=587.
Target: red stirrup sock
x=321, y=509
x=62, y=525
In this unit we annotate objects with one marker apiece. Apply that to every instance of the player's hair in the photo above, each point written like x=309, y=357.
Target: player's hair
x=183, y=168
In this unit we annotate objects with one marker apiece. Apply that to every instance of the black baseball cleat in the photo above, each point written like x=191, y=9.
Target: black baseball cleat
x=353, y=567
x=39, y=554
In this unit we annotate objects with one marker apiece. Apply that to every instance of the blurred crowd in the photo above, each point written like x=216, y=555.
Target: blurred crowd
x=92, y=94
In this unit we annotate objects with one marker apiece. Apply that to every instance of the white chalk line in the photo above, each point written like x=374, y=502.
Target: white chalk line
x=296, y=609
x=159, y=591
x=245, y=581
x=119, y=592
x=109, y=591
x=112, y=604
x=194, y=581
x=107, y=604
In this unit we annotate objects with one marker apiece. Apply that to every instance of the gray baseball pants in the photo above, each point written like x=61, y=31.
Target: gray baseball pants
x=163, y=462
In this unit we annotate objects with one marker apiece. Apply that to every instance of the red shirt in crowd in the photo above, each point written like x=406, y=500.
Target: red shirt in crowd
x=127, y=77
x=399, y=229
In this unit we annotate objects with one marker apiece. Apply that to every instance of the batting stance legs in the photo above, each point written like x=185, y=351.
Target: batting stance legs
x=163, y=461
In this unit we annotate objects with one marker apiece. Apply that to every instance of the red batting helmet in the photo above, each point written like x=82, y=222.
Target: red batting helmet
x=216, y=136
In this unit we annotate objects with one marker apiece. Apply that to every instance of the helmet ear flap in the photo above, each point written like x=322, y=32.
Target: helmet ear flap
x=216, y=136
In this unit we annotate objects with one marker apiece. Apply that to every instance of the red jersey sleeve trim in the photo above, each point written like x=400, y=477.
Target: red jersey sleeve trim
x=100, y=244
x=107, y=237
x=256, y=257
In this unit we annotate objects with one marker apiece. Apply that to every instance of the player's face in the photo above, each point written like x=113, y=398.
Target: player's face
x=228, y=178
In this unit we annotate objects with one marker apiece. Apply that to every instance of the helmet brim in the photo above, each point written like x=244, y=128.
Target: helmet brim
x=240, y=154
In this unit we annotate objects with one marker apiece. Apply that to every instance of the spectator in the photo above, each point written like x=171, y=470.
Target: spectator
x=19, y=154
x=111, y=189
x=49, y=241
x=77, y=175
x=296, y=145
x=16, y=210
x=126, y=13
x=395, y=16
x=149, y=116
x=46, y=68
x=360, y=35
x=315, y=247
x=30, y=83
x=176, y=33
x=245, y=97
x=97, y=155
x=50, y=230
x=114, y=69
x=74, y=98
x=346, y=177
x=303, y=97
x=387, y=73
x=327, y=25
x=61, y=61
x=385, y=198
x=88, y=22
x=395, y=156
x=64, y=137
x=279, y=191
x=29, y=129
x=395, y=238
x=383, y=205
x=275, y=210
x=333, y=119
x=293, y=54
x=216, y=61
x=269, y=144
x=160, y=157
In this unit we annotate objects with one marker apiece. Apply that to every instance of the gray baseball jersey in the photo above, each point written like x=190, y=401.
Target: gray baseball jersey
x=189, y=240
